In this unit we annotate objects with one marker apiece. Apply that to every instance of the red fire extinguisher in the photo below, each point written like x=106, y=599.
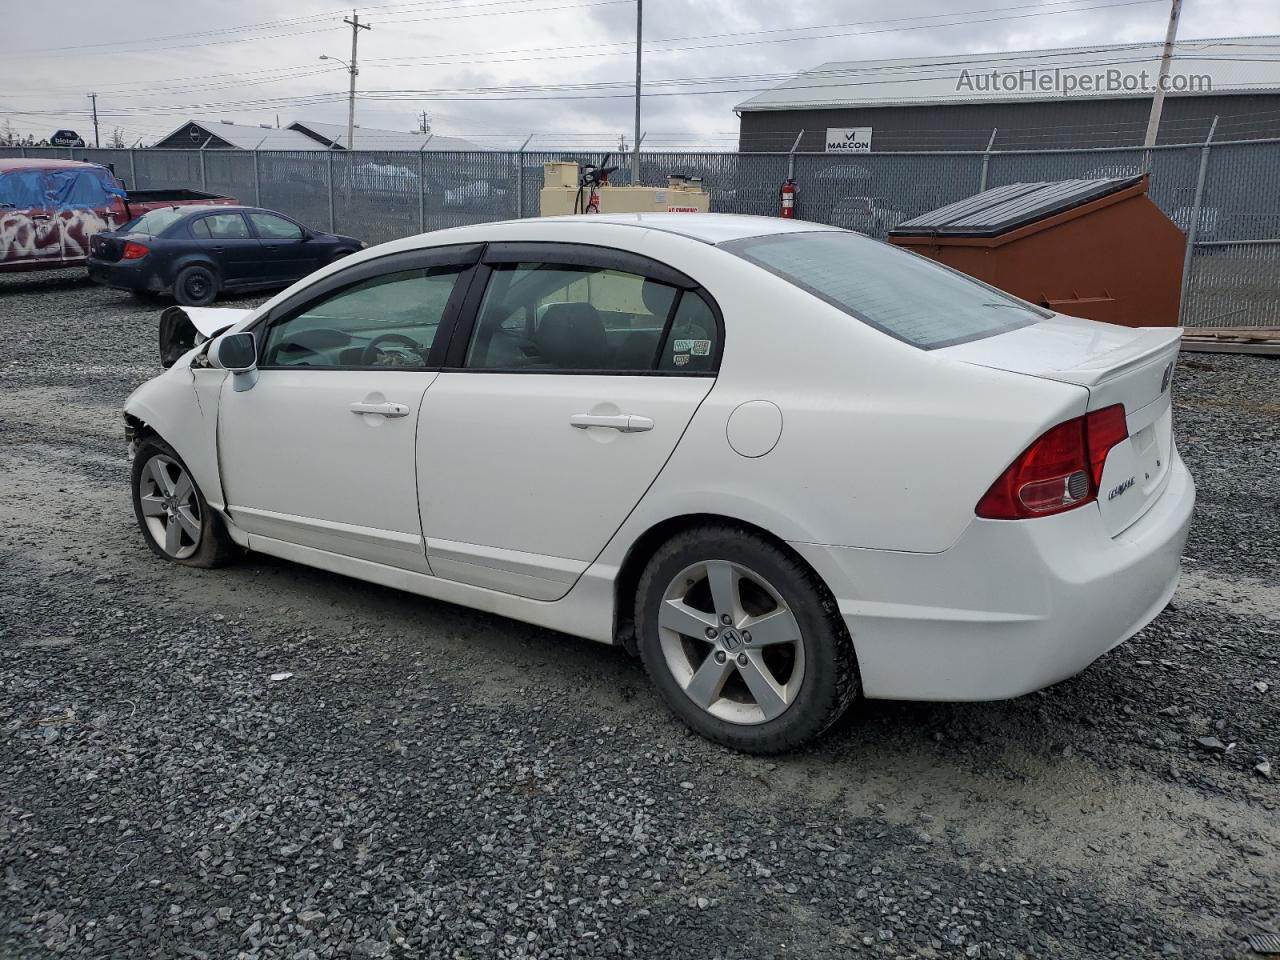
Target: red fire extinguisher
x=788, y=194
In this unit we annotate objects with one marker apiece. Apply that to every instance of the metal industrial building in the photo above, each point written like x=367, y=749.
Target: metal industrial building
x=301, y=135
x=1096, y=96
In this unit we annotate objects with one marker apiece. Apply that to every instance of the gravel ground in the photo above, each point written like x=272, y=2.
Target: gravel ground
x=431, y=781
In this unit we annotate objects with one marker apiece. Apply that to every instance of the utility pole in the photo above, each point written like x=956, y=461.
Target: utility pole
x=94, y=98
x=635, y=156
x=1157, y=99
x=356, y=27
x=424, y=122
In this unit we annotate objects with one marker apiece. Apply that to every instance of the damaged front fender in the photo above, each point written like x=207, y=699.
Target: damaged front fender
x=182, y=328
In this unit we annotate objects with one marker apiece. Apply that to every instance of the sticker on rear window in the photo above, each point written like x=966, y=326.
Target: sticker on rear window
x=699, y=348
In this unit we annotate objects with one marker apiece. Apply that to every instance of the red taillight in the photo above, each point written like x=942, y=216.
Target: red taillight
x=134, y=251
x=1058, y=472
x=1104, y=429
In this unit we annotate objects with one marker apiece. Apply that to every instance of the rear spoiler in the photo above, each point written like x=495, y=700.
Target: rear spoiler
x=182, y=328
x=1149, y=343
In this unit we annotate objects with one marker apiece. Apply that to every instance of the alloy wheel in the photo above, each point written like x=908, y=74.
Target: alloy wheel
x=170, y=506
x=731, y=642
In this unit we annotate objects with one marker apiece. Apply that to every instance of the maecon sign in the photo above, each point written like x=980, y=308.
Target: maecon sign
x=848, y=140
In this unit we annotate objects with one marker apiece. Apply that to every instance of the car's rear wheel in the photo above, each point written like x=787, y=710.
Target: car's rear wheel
x=195, y=286
x=174, y=516
x=743, y=640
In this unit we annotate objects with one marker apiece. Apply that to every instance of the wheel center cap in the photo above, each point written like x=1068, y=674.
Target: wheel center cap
x=730, y=639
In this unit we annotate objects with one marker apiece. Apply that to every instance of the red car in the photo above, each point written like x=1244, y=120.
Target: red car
x=50, y=208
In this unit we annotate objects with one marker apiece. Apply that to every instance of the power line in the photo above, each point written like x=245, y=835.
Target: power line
x=94, y=49
x=601, y=89
x=557, y=53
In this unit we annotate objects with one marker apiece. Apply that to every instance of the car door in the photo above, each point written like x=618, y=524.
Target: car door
x=225, y=237
x=29, y=233
x=83, y=201
x=286, y=252
x=320, y=450
x=557, y=411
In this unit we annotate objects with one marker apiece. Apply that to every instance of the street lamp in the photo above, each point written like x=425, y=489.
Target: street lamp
x=351, y=99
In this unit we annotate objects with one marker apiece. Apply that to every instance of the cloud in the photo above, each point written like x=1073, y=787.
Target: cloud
x=149, y=88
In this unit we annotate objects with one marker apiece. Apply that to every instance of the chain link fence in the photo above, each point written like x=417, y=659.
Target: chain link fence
x=1222, y=195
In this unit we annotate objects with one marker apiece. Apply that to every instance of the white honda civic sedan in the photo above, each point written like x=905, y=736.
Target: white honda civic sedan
x=784, y=463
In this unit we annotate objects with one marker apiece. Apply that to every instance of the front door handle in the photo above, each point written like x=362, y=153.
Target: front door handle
x=381, y=409
x=622, y=422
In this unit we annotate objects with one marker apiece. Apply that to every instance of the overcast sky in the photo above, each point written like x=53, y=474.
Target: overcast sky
x=151, y=73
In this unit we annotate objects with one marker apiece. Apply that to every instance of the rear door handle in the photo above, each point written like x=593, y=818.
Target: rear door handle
x=622, y=422
x=382, y=409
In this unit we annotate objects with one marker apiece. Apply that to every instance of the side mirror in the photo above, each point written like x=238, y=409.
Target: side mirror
x=237, y=352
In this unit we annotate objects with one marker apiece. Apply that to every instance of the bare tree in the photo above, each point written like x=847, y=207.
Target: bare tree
x=8, y=136
x=116, y=138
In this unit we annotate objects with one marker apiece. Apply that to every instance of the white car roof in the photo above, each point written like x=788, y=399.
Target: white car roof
x=707, y=227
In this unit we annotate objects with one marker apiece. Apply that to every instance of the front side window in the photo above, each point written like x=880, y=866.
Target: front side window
x=220, y=226
x=389, y=321
x=545, y=316
x=906, y=296
x=271, y=227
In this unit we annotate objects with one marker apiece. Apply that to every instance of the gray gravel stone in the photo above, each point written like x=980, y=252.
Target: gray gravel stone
x=440, y=783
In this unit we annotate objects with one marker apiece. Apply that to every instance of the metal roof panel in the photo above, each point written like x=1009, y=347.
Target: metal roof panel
x=1233, y=65
x=1002, y=209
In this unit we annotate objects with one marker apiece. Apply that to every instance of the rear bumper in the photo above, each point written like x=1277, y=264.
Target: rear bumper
x=126, y=275
x=1013, y=606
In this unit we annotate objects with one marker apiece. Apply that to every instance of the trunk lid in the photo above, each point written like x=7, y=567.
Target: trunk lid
x=1124, y=365
x=106, y=246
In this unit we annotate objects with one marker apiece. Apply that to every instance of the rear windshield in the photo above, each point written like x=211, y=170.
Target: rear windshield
x=902, y=294
x=154, y=222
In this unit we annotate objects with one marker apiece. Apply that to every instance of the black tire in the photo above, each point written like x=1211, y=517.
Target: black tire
x=213, y=547
x=195, y=286
x=830, y=680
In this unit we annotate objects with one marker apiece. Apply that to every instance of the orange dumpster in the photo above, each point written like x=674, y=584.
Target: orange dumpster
x=1099, y=249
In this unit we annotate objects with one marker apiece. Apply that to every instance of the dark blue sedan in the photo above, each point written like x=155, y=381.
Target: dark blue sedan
x=196, y=252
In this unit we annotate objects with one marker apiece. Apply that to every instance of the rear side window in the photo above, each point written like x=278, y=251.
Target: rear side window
x=904, y=295
x=550, y=317
x=82, y=188
x=220, y=226
x=692, y=344
x=155, y=222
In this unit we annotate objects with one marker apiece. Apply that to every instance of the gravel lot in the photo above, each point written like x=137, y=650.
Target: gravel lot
x=437, y=782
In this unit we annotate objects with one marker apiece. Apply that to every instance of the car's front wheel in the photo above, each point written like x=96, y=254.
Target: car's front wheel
x=174, y=516
x=195, y=286
x=743, y=640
